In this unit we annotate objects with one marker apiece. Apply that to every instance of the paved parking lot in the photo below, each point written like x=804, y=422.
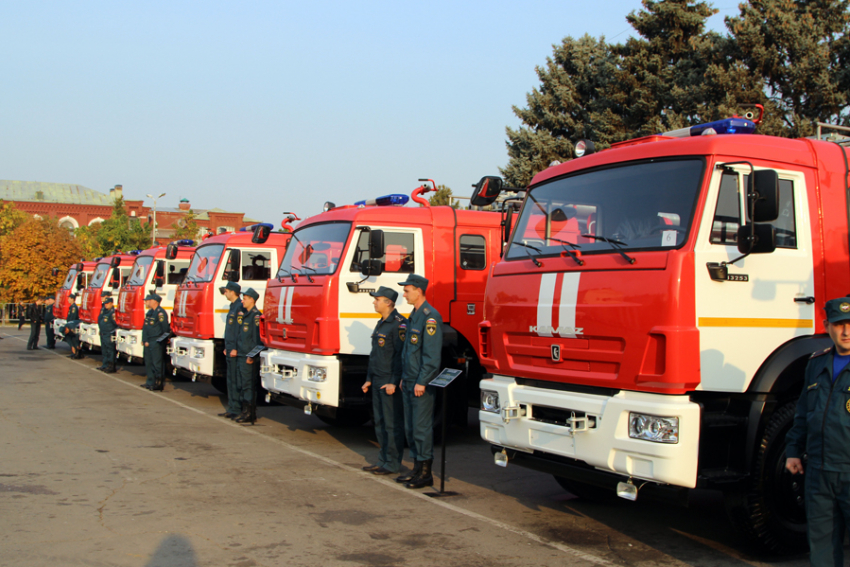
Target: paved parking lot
x=95, y=470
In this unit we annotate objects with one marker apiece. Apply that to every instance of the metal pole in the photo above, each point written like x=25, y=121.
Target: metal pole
x=443, y=457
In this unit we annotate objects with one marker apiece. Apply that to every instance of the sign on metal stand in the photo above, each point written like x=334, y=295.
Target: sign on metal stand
x=442, y=380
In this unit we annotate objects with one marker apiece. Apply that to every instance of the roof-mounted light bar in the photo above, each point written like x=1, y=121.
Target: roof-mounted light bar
x=253, y=227
x=385, y=201
x=726, y=126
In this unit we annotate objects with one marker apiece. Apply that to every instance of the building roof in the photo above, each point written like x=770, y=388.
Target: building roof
x=42, y=192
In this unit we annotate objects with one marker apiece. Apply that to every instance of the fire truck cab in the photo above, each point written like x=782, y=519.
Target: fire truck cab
x=76, y=281
x=672, y=356
x=319, y=316
x=152, y=271
x=109, y=275
x=200, y=310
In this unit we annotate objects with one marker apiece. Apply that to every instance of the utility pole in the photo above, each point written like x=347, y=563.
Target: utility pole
x=153, y=232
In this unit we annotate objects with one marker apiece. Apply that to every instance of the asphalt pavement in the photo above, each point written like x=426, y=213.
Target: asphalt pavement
x=96, y=471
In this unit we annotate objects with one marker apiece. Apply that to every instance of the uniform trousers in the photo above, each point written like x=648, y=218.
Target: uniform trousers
x=35, y=332
x=107, y=348
x=234, y=402
x=153, y=363
x=388, y=415
x=419, y=422
x=828, y=515
x=247, y=382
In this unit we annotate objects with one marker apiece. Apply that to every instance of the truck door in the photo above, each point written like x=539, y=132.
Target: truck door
x=760, y=305
x=403, y=255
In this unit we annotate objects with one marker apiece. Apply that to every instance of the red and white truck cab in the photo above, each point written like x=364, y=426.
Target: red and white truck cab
x=76, y=280
x=109, y=275
x=154, y=271
x=673, y=354
x=200, y=310
x=319, y=317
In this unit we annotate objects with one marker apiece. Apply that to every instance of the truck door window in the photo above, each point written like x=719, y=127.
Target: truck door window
x=727, y=214
x=140, y=270
x=785, y=224
x=473, y=252
x=177, y=272
x=398, y=252
x=256, y=266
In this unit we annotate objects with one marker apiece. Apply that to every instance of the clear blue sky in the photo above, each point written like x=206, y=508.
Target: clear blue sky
x=265, y=107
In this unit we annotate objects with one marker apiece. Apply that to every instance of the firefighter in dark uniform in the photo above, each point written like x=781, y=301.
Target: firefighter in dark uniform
x=35, y=313
x=247, y=339
x=384, y=377
x=49, y=317
x=71, y=330
x=420, y=356
x=231, y=329
x=156, y=325
x=106, y=327
x=821, y=430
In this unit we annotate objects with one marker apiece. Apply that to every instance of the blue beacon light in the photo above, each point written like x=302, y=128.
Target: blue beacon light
x=725, y=126
x=385, y=201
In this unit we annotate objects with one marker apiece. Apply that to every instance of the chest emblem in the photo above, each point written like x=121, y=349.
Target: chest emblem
x=847, y=405
x=245, y=328
x=431, y=326
x=414, y=339
x=381, y=341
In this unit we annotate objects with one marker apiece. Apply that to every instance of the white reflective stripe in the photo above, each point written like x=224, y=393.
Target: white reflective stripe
x=182, y=304
x=567, y=309
x=290, y=292
x=281, y=300
x=545, y=304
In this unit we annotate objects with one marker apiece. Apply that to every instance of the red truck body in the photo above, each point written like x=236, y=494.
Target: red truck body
x=76, y=281
x=109, y=274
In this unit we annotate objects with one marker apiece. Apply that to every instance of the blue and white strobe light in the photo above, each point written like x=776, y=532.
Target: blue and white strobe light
x=253, y=227
x=725, y=126
x=385, y=201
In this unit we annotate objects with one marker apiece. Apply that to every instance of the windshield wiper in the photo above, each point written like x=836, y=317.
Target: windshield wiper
x=569, y=252
x=309, y=278
x=280, y=277
x=615, y=244
x=537, y=262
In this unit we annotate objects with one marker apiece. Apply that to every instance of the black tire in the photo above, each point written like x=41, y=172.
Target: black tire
x=772, y=514
x=585, y=491
x=347, y=418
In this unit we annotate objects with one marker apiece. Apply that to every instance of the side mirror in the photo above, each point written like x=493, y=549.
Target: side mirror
x=764, y=192
x=171, y=251
x=234, y=262
x=80, y=281
x=372, y=268
x=756, y=239
x=115, y=262
x=305, y=254
x=54, y=272
x=486, y=191
x=261, y=233
x=376, y=244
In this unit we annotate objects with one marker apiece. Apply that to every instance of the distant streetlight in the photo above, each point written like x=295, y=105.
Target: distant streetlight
x=153, y=233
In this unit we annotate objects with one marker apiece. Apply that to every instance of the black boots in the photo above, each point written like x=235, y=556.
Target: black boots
x=248, y=415
x=109, y=369
x=158, y=384
x=417, y=468
x=424, y=477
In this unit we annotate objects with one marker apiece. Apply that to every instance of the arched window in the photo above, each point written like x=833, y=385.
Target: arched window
x=98, y=220
x=69, y=222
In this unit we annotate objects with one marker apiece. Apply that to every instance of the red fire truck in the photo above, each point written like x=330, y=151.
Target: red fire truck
x=154, y=270
x=76, y=280
x=109, y=275
x=200, y=309
x=318, y=317
x=668, y=353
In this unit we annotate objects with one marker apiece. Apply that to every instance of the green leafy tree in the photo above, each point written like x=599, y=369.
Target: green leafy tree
x=443, y=196
x=29, y=253
x=118, y=233
x=185, y=227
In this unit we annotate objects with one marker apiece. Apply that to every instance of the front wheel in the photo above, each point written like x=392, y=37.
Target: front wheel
x=772, y=512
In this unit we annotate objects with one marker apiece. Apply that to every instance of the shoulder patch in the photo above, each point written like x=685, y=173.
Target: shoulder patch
x=425, y=310
x=820, y=352
x=431, y=326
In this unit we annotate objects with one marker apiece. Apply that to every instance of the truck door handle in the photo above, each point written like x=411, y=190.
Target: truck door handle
x=807, y=300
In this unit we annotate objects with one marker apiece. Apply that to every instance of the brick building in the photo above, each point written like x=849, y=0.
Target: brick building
x=74, y=206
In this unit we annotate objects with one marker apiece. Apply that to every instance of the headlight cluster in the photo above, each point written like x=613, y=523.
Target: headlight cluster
x=134, y=339
x=654, y=428
x=316, y=374
x=490, y=401
x=197, y=352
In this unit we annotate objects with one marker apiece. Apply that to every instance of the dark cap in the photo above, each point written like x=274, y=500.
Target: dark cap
x=72, y=296
x=232, y=286
x=152, y=295
x=416, y=281
x=107, y=299
x=838, y=309
x=251, y=293
x=384, y=291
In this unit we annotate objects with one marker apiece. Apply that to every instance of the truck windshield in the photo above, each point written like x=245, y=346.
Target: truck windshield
x=204, y=263
x=638, y=206
x=69, y=280
x=99, y=275
x=315, y=250
x=140, y=270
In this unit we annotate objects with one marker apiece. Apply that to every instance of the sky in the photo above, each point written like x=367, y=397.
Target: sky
x=263, y=107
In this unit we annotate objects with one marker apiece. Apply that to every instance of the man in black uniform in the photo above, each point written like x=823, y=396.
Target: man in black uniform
x=36, y=315
x=821, y=430
x=72, y=331
x=156, y=325
x=421, y=358
x=48, y=322
x=384, y=376
x=231, y=330
x=106, y=327
x=247, y=339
